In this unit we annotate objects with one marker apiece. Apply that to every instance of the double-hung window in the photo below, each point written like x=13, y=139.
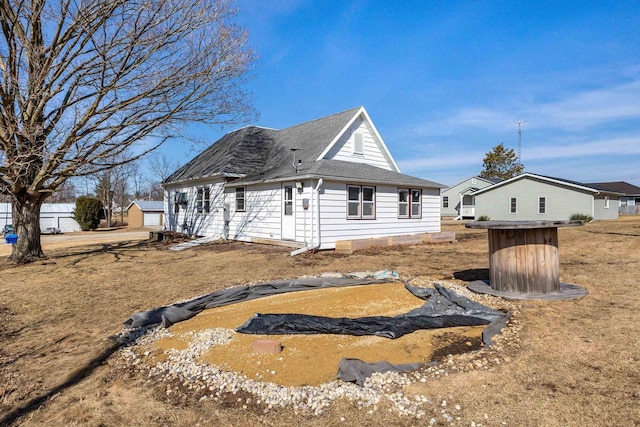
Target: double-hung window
x=542, y=205
x=445, y=201
x=361, y=202
x=410, y=203
x=513, y=205
x=240, y=199
x=202, y=200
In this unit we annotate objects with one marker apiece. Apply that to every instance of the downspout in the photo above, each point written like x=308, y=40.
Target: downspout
x=313, y=208
x=593, y=205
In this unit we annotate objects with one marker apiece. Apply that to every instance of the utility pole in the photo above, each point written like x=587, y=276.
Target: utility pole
x=520, y=142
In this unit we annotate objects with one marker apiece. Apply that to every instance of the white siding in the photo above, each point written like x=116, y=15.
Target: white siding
x=336, y=226
x=261, y=217
x=188, y=219
x=374, y=153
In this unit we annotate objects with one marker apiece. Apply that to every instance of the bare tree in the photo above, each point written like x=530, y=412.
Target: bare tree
x=162, y=166
x=84, y=80
x=111, y=188
x=65, y=193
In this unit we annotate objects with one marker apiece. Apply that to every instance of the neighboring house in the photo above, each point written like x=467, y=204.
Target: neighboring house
x=535, y=197
x=56, y=215
x=629, y=202
x=311, y=184
x=458, y=201
x=145, y=213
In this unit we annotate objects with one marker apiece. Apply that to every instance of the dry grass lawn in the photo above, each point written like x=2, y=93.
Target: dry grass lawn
x=579, y=361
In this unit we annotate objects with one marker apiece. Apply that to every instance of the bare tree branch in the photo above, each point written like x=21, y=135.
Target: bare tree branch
x=84, y=82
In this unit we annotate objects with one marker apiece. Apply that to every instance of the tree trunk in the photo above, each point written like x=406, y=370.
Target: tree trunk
x=26, y=224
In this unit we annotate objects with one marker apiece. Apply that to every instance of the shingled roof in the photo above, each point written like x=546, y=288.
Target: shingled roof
x=255, y=154
x=618, y=187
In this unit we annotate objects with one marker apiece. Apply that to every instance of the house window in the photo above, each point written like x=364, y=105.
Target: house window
x=542, y=205
x=403, y=203
x=179, y=199
x=410, y=203
x=361, y=202
x=288, y=201
x=513, y=208
x=358, y=144
x=202, y=200
x=445, y=201
x=606, y=202
x=207, y=199
x=416, y=203
x=240, y=202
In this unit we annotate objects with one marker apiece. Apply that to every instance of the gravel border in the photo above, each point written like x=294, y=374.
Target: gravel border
x=181, y=373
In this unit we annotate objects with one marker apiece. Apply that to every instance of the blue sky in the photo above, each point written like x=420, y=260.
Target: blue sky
x=445, y=81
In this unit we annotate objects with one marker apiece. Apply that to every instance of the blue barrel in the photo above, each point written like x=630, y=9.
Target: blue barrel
x=11, y=238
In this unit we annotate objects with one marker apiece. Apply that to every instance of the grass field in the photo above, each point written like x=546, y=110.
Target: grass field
x=578, y=362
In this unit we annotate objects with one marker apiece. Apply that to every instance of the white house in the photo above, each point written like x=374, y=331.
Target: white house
x=458, y=200
x=57, y=215
x=536, y=197
x=310, y=184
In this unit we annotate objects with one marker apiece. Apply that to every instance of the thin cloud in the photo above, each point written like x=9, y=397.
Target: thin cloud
x=576, y=112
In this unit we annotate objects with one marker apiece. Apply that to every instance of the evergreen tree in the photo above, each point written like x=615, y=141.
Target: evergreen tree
x=501, y=163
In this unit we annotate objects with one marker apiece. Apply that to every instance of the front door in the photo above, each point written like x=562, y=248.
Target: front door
x=288, y=213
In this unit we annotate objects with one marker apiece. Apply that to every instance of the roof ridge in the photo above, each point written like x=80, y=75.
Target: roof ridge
x=354, y=109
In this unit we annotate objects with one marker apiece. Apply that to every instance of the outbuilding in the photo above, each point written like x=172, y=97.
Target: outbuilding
x=145, y=213
x=53, y=216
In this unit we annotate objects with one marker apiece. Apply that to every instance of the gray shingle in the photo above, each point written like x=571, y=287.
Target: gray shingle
x=255, y=154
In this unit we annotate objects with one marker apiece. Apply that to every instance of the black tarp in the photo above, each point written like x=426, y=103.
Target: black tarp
x=168, y=315
x=443, y=308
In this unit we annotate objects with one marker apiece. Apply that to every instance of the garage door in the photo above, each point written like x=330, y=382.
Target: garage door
x=151, y=219
x=68, y=224
x=46, y=221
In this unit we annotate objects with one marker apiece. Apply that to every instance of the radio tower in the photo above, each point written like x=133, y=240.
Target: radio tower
x=520, y=142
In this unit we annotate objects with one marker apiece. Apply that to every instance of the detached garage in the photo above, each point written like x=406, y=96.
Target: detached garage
x=145, y=213
x=52, y=215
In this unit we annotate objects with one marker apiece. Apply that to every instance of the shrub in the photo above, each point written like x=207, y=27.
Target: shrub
x=87, y=212
x=483, y=218
x=581, y=217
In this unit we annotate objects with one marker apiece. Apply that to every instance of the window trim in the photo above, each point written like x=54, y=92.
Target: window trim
x=418, y=203
x=445, y=201
x=203, y=205
x=207, y=199
x=242, y=190
x=410, y=203
x=285, y=201
x=542, y=203
x=361, y=202
x=358, y=150
x=513, y=205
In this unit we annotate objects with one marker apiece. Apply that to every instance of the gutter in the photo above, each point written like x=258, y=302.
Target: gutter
x=311, y=245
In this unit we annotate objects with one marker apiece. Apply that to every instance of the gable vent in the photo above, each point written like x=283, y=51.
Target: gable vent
x=358, y=144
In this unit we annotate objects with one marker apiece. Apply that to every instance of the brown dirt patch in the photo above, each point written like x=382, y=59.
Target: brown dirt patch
x=323, y=351
x=577, y=363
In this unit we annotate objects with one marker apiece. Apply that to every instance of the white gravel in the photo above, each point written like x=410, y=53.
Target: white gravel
x=380, y=390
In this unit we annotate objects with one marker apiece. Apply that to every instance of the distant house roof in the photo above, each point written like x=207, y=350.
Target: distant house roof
x=256, y=154
x=148, y=205
x=488, y=180
x=574, y=184
x=57, y=207
x=619, y=187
